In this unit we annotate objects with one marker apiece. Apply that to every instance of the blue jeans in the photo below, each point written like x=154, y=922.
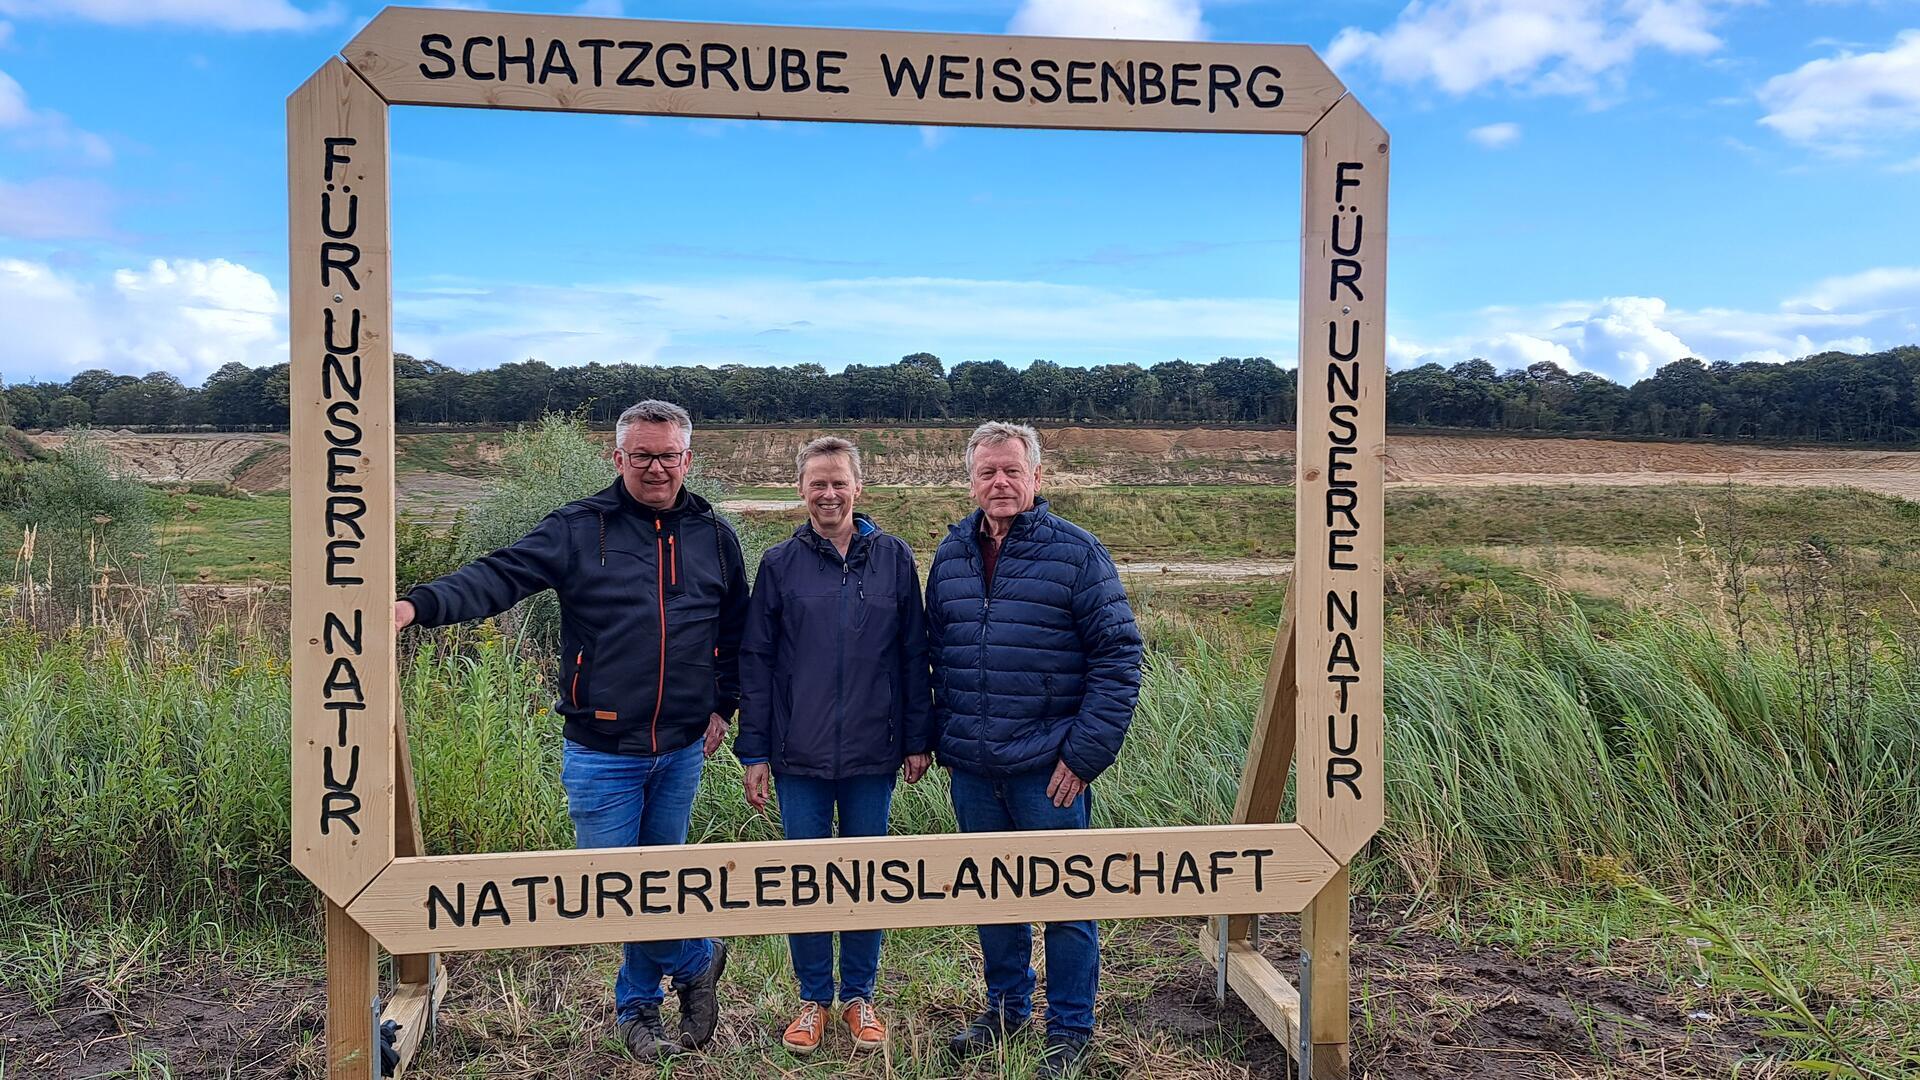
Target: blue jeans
x=624, y=800
x=987, y=804
x=806, y=813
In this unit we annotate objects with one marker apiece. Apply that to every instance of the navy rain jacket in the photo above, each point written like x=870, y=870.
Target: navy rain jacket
x=1045, y=665
x=833, y=673
x=651, y=608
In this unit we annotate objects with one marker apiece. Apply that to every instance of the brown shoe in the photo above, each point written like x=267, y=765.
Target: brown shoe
x=863, y=1024
x=804, y=1034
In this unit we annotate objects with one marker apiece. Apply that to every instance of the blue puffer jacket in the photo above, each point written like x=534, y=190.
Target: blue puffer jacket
x=1043, y=667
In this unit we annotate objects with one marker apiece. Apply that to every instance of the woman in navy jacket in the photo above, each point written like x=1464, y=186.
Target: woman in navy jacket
x=834, y=703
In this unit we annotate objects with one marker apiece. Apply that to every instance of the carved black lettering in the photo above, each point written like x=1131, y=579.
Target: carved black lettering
x=895, y=873
x=342, y=710
x=335, y=255
x=902, y=73
x=1343, y=613
x=793, y=71
x=340, y=556
x=1346, y=432
x=1346, y=379
x=1035, y=886
x=765, y=882
x=1343, y=770
x=1153, y=82
x=1048, y=72
x=506, y=59
x=331, y=158
x=1080, y=874
x=1110, y=78
x=653, y=883
x=1341, y=653
x=531, y=885
x=806, y=884
x=1353, y=342
x=1341, y=502
x=1271, y=94
x=773, y=69
x=688, y=889
x=1222, y=81
x=1106, y=874
x=1258, y=855
x=1186, y=872
x=611, y=885
x=336, y=783
x=1158, y=873
x=999, y=872
x=333, y=367
x=491, y=904
x=326, y=216
x=557, y=62
x=346, y=510
x=342, y=461
x=466, y=59
x=352, y=638
x=1340, y=181
x=560, y=898
x=717, y=58
x=630, y=75
x=727, y=903
x=1181, y=79
x=1345, y=272
x=340, y=806
x=677, y=75
x=351, y=345
x=1336, y=466
x=339, y=415
x=1008, y=85
x=848, y=879
x=1353, y=735
x=1337, y=546
x=1359, y=230
x=1215, y=871
x=1080, y=82
x=343, y=678
x=437, y=902
x=433, y=47
x=952, y=75
x=822, y=71
x=597, y=46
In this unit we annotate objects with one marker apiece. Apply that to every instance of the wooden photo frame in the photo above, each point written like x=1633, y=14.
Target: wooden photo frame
x=356, y=832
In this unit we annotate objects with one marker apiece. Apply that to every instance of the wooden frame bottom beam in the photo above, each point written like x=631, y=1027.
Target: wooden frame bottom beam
x=413, y=1009
x=1258, y=983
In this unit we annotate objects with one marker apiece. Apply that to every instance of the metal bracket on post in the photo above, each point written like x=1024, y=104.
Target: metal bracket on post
x=1253, y=932
x=1304, y=1052
x=373, y=1059
x=1220, y=960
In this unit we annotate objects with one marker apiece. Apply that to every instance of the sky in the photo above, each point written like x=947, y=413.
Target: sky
x=1607, y=184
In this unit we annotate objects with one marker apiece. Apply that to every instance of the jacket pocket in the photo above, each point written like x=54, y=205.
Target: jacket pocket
x=1046, y=701
x=576, y=683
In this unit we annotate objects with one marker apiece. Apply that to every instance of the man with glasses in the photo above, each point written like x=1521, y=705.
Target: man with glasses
x=653, y=600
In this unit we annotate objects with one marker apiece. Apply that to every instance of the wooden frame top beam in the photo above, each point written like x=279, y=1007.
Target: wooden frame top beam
x=426, y=56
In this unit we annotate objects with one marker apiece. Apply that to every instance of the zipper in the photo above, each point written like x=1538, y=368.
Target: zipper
x=840, y=668
x=578, y=659
x=673, y=563
x=660, y=594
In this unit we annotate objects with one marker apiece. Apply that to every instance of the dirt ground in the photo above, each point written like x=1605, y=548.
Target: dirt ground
x=1085, y=456
x=1426, y=1007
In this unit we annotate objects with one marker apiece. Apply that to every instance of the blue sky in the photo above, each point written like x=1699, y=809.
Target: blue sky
x=1609, y=185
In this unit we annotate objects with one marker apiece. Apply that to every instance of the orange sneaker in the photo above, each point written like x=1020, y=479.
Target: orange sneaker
x=863, y=1024
x=803, y=1035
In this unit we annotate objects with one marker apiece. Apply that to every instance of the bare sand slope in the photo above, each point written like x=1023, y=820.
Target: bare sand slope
x=1453, y=460
x=1082, y=455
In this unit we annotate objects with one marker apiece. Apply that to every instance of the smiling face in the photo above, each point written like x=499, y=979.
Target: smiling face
x=829, y=489
x=1003, y=484
x=651, y=478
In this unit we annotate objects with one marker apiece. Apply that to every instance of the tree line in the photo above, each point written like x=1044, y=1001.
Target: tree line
x=1873, y=397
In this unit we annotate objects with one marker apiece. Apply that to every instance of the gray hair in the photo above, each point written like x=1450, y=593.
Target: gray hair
x=995, y=432
x=821, y=447
x=653, y=412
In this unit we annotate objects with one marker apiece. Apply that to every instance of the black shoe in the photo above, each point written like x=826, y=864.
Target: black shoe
x=700, y=1000
x=1065, y=1056
x=987, y=1031
x=645, y=1037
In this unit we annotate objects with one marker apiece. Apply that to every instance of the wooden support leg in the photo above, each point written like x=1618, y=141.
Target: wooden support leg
x=353, y=978
x=417, y=969
x=1322, y=1052
x=1263, y=778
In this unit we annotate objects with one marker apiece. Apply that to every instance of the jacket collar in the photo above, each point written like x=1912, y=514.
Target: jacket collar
x=864, y=530
x=974, y=524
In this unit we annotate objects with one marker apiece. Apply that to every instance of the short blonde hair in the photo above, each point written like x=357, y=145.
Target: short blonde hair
x=821, y=447
x=995, y=432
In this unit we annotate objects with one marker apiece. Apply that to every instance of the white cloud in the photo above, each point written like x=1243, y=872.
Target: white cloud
x=1840, y=103
x=43, y=129
x=216, y=14
x=1495, y=136
x=6, y=34
x=55, y=209
x=1538, y=46
x=833, y=321
x=1626, y=338
x=187, y=316
x=1152, y=20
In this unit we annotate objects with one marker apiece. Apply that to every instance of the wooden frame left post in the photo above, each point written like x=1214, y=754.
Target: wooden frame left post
x=340, y=405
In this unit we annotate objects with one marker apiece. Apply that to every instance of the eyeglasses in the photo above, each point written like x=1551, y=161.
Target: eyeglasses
x=643, y=462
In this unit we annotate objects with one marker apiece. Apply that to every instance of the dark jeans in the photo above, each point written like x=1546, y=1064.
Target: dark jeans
x=624, y=800
x=806, y=813
x=986, y=804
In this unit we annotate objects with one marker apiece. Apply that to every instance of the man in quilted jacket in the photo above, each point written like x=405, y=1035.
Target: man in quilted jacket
x=1036, y=669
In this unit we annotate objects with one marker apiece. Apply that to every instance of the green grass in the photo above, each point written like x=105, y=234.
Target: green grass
x=221, y=538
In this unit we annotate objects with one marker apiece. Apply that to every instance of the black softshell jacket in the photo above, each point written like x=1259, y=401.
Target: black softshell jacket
x=652, y=604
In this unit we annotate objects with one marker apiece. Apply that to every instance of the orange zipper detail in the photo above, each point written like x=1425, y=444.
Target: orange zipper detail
x=673, y=564
x=660, y=586
x=578, y=659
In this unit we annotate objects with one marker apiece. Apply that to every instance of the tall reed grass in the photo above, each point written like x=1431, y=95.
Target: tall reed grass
x=1527, y=748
